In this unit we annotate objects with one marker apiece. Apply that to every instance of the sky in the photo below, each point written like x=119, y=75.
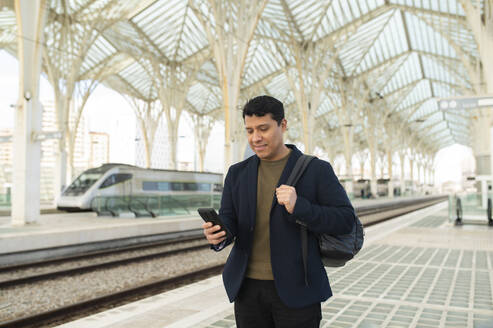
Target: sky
x=107, y=111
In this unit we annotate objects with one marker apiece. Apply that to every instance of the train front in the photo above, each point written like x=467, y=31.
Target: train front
x=77, y=196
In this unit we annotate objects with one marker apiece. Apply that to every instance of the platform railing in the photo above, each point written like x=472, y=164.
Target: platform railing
x=470, y=208
x=154, y=205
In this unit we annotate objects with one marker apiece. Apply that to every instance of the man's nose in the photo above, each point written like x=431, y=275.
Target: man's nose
x=257, y=136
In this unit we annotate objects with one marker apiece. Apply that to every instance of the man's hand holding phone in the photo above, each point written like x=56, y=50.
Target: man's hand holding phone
x=213, y=233
x=214, y=229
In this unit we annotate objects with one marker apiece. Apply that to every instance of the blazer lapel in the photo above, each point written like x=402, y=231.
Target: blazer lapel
x=252, y=189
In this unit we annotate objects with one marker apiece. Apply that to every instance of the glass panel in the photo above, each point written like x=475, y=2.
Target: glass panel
x=471, y=207
x=82, y=183
x=156, y=186
x=114, y=179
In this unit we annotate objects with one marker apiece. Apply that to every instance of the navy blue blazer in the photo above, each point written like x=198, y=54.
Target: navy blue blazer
x=322, y=204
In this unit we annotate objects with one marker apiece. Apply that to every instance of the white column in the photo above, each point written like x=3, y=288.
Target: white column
x=491, y=155
x=484, y=194
x=411, y=173
x=391, y=180
x=30, y=17
x=403, y=177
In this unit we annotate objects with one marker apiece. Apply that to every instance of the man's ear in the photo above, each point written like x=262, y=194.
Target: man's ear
x=284, y=124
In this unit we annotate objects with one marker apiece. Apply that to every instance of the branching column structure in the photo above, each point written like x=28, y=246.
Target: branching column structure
x=347, y=115
x=411, y=154
x=28, y=114
x=362, y=156
x=389, y=155
x=69, y=40
x=230, y=27
x=202, y=125
x=372, y=128
x=428, y=165
x=402, y=158
x=326, y=141
x=312, y=67
x=419, y=164
x=482, y=29
x=395, y=142
x=148, y=113
x=174, y=81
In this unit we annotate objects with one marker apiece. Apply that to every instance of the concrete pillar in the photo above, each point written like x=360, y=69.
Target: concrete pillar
x=426, y=171
x=411, y=173
x=491, y=162
x=481, y=25
x=391, y=181
x=481, y=137
x=373, y=167
x=403, y=177
x=30, y=16
x=348, y=158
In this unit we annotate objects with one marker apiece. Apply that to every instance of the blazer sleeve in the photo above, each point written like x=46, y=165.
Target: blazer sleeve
x=227, y=212
x=333, y=212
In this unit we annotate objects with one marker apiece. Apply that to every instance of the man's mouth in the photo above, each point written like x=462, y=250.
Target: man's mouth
x=260, y=147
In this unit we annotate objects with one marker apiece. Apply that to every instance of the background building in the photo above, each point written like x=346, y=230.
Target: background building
x=99, y=152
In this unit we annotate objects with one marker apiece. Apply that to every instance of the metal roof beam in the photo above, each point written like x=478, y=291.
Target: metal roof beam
x=460, y=19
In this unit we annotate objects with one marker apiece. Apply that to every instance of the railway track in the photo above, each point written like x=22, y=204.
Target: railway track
x=79, y=309
x=369, y=216
x=97, y=266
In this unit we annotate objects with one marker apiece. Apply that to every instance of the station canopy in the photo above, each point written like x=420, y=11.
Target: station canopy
x=403, y=54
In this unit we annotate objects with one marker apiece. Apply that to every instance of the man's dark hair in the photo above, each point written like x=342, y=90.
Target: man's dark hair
x=261, y=105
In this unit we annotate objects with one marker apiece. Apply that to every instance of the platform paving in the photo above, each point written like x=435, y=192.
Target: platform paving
x=427, y=274
x=415, y=271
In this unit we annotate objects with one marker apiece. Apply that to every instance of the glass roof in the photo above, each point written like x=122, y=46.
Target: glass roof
x=401, y=51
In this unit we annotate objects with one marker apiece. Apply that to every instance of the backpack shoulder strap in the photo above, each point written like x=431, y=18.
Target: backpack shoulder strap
x=298, y=170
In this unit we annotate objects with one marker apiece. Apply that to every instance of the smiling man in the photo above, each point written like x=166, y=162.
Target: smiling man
x=265, y=275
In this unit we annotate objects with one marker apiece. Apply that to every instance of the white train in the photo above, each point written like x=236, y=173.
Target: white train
x=113, y=180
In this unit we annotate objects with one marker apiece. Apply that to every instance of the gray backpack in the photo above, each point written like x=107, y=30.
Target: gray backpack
x=335, y=251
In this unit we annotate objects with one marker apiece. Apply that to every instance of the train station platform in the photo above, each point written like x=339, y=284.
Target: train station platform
x=418, y=270
x=60, y=234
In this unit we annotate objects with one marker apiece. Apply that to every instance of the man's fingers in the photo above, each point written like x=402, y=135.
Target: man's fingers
x=213, y=234
x=213, y=229
x=217, y=241
x=216, y=238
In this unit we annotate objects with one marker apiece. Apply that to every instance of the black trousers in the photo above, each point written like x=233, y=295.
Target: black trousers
x=258, y=306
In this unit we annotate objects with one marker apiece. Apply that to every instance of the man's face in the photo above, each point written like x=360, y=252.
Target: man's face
x=265, y=136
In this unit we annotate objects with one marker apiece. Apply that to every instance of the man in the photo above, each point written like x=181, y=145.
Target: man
x=264, y=274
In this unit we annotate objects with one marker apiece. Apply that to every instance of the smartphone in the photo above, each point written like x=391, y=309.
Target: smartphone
x=210, y=215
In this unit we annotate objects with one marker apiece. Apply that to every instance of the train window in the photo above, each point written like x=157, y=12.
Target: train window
x=177, y=186
x=218, y=187
x=114, y=179
x=156, y=186
x=191, y=186
x=82, y=183
x=204, y=186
